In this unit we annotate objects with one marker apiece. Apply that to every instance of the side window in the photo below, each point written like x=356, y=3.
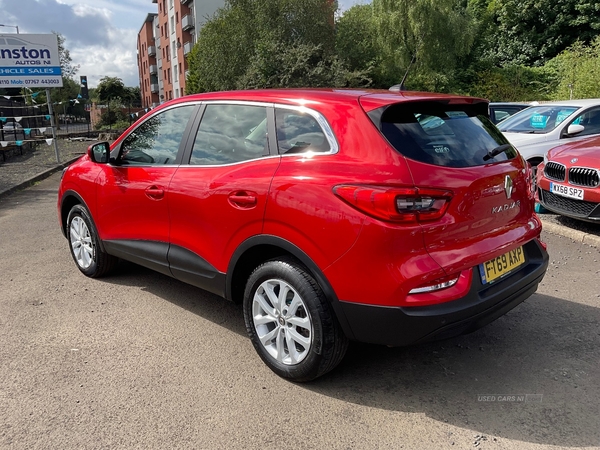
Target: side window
x=230, y=134
x=590, y=121
x=156, y=141
x=299, y=132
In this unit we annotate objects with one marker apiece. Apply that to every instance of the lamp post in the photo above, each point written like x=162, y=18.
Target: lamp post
x=10, y=26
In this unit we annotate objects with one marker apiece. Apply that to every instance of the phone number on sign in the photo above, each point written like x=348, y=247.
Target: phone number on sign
x=34, y=82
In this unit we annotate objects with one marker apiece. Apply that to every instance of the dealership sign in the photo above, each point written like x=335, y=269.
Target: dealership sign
x=29, y=60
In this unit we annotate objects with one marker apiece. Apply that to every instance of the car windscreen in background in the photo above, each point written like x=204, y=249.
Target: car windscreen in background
x=442, y=134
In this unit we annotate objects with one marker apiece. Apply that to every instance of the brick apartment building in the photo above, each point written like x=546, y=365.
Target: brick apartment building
x=164, y=40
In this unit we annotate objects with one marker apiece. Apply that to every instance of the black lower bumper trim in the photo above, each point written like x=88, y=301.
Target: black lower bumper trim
x=398, y=326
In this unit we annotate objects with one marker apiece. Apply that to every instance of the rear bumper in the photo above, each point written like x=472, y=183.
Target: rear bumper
x=397, y=326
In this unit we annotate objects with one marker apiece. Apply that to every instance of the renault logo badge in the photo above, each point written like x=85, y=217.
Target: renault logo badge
x=508, y=186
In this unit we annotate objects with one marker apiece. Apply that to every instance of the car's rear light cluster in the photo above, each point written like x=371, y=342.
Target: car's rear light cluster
x=405, y=205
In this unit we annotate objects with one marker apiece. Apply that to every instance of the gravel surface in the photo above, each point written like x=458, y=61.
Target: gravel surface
x=25, y=168
x=553, y=221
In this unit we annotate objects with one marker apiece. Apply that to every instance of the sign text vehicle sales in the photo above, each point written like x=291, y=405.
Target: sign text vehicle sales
x=30, y=59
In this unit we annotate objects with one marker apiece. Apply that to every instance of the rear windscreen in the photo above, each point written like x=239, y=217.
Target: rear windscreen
x=442, y=134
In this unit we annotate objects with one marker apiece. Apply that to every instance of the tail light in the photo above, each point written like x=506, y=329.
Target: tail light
x=404, y=205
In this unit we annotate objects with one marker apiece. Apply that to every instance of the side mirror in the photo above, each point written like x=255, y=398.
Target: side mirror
x=99, y=152
x=573, y=129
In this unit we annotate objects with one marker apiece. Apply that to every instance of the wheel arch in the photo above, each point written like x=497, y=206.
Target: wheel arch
x=258, y=249
x=69, y=199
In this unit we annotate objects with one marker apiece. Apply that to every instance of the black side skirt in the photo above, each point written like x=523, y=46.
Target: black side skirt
x=171, y=260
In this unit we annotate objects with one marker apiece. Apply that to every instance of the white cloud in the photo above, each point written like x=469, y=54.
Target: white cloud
x=101, y=35
x=97, y=62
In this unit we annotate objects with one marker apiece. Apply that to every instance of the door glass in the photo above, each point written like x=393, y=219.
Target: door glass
x=230, y=134
x=156, y=141
x=590, y=121
x=299, y=132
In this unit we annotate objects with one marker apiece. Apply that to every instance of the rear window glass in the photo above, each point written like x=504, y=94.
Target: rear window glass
x=443, y=135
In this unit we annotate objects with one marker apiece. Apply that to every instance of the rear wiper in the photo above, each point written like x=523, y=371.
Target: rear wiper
x=496, y=151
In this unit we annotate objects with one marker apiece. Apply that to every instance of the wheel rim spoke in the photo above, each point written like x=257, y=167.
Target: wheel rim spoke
x=280, y=355
x=297, y=337
x=268, y=338
x=264, y=305
x=81, y=242
x=282, y=323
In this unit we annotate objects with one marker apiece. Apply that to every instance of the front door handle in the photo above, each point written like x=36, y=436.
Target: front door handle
x=155, y=193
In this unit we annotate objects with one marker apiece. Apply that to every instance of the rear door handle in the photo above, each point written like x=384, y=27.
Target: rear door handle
x=243, y=199
x=155, y=193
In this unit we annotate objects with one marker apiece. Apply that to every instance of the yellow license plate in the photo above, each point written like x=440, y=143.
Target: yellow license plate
x=501, y=265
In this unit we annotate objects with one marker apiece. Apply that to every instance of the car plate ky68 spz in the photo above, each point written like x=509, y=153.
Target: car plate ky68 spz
x=498, y=267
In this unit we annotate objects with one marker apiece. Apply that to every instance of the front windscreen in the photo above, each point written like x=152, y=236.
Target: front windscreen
x=442, y=134
x=537, y=119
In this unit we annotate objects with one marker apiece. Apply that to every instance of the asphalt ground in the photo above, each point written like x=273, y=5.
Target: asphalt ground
x=21, y=171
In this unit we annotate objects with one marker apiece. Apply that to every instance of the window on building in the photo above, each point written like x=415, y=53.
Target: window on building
x=176, y=17
x=180, y=69
x=171, y=4
x=175, y=77
x=169, y=75
x=172, y=24
x=168, y=54
x=174, y=49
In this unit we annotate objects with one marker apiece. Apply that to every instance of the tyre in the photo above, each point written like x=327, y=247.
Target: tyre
x=85, y=246
x=290, y=321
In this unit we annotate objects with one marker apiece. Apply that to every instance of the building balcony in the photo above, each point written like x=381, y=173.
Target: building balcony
x=154, y=88
x=187, y=47
x=187, y=22
x=161, y=85
x=159, y=63
x=153, y=69
x=152, y=50
x=157, y=42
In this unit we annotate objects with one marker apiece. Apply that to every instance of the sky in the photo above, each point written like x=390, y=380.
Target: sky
x=101, y=35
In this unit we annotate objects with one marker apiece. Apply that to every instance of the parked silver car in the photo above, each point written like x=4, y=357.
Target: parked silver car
x=12, y=131
x=535, y=130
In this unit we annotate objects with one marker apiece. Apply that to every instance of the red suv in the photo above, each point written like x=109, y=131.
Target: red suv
x=332, y=215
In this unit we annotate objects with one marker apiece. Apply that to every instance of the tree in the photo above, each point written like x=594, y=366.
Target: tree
x=578, y=71
x=287, y=43
x=432, y=34
x=110, y=88
x=532, y=32
x=356, y=43
x=66, y=62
